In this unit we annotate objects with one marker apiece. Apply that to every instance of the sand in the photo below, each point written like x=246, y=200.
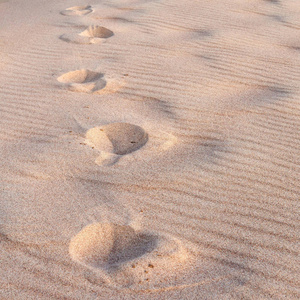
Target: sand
x=149, y=149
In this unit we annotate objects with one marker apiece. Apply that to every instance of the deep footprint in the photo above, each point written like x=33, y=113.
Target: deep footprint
x=91, y=35
x=83, y=81
x=122, y=256
x=77, y=11
x=107, y=245
x=97, y=32
x=116, y=139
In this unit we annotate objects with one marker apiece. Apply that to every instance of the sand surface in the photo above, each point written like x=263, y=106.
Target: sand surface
x=149, y=149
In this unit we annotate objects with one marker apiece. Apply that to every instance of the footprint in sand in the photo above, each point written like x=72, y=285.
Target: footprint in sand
x=77, y=11
x=122, y=256
x=83, y=81
x=91, y=35
x=115, y=140
x=97, y=32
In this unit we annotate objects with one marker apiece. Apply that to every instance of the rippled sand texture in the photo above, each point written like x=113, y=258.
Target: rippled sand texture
x=149, y=149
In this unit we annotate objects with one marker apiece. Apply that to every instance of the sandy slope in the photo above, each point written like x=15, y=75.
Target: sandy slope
x=149, y=149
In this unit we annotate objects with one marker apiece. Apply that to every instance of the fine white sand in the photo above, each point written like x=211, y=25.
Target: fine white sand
x=149, y=149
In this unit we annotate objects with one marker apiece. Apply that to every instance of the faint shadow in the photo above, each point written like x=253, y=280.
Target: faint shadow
x=199, y=33
x=118, y=19
x=273, y=1
x=65, y=38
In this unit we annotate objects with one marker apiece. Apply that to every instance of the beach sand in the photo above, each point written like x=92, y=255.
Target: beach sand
x=149, y=149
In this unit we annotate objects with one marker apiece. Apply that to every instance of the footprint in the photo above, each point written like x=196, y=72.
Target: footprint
x=83, y=81
x=91, y=35
x=115, y=140
x=107, y=245
x=77, y=11
x=123, y=256
x=97, y=32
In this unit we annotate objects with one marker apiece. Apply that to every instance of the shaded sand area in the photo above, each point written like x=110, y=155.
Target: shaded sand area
x=149, y=149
